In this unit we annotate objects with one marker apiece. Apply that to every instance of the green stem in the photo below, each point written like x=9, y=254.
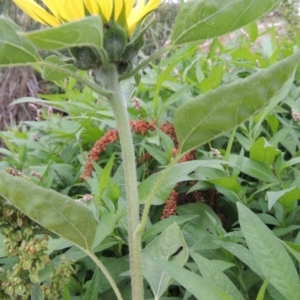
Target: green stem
x=108, y=76
x=145, y=63
x=105, y=272
x=230, y=143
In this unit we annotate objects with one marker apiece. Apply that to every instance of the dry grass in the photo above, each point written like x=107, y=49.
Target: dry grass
x=16, y=83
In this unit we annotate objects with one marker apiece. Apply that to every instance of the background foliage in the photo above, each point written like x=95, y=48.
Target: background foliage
x=236, y=226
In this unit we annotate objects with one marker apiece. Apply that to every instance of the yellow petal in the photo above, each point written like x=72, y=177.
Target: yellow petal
x=92, y=6
x=52, y=6
x=129, y=6
x=106, y=8
x=140, y=11
x=36, y=12
x=118, y=6
x=70, y=10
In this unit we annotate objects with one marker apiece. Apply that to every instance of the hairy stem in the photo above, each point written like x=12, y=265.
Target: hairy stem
x=108, y=76
x=105, y=272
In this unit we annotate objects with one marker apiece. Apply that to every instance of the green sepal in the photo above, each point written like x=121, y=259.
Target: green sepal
x=85, y=57
x=114, y=41
x=124, y=67
x=131, y=49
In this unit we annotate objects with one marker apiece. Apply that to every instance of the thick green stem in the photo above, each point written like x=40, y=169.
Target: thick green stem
x=108, y=76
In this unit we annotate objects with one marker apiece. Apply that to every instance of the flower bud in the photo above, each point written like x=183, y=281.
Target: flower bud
x=114, y=41
x=85, y=57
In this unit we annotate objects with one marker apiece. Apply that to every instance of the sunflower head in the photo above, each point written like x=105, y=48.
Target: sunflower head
x=121, y=20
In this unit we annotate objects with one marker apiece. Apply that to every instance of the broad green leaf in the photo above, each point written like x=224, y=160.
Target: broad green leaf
x=57, y=244
x=161, y=187
x=200, y=287
x=263, y=151
x=160, y=226
x=213, y=80
x=289, y=163
x=201, y=19
x=36, y=292
x=201, y=210
x=104, y=177
x=105, y=227
x=286, y=197
x=57, y=213
x=270, y=255
x=211, y=115
x=170, y=246
x=242, y=253
x=197, y=237
x=293, y=249
x=51, y=74
x=15, y=49
x=84, y=32
x=93, y=288
x=255, y=169
x=228, y=183
x=214, y=276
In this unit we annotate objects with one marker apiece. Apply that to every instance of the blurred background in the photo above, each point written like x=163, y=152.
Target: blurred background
x=17, y=82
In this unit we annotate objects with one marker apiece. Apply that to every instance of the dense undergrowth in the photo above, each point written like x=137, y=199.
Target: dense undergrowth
x=235, y=212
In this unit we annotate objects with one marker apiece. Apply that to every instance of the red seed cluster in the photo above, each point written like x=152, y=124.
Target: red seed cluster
x=100, y=146
x=141, y=126
x=168, y=129
x=189, y=156
x=170, y=206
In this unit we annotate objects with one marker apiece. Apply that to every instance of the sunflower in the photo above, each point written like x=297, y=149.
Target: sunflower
x=62, y=11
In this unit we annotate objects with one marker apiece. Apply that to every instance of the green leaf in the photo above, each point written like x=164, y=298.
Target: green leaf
x=200, y=287
x=293, y=249
x=211, y=115
x=15, y=49
x=201, y=210
x=198, y=237
x=201, y=19
x=93, y=288
x=228, y=183
x=116, y=267
x=84, y=32
x=289, y=163
x=214, y=79
x=286, y=197
x=270, y=255
x=57, y=213
x=104, y=177
x=264, y=152
x=51, y=74
x=162, y=186
x=242, y=253
x=36, y=292
x=160, y=226
x=262, y=290
x=255, y=169
x=105, y=227
x=210, y=272
x=169, y=245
